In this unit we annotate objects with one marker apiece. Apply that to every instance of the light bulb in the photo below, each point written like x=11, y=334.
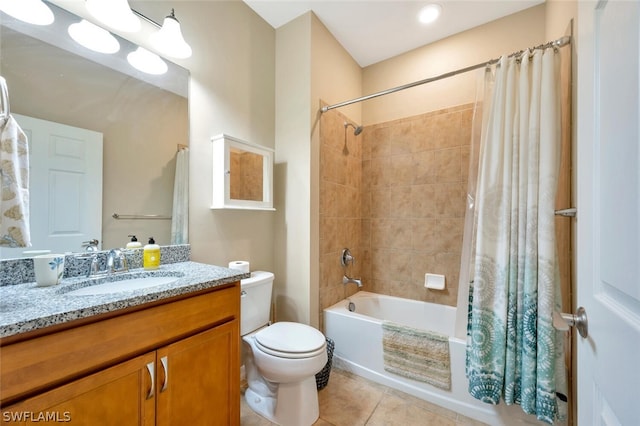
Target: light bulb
x=145, y=61
x=30, y=11
x=93, y=37
x=168, y=40
x=115, y=14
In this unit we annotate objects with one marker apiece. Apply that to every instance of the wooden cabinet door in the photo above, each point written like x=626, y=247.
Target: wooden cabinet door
x=198, y=380
x=116, y=396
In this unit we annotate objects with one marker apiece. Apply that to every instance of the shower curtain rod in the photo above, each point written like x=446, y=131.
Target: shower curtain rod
x=562, y=41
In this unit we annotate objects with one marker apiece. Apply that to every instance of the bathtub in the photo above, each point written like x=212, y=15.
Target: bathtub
x=358, y=349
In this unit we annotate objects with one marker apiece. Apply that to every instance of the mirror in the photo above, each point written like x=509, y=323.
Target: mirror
x=242, y=175
x=143, y=120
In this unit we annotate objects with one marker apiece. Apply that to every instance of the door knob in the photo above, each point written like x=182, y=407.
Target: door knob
x=578, y=320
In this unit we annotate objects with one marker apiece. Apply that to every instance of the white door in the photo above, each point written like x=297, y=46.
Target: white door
x=65, y=186
x=608, y=221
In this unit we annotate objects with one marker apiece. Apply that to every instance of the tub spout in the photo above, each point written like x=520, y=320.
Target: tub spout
x=347, y=280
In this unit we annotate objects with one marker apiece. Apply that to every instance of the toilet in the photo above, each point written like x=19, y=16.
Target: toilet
x=280, y=360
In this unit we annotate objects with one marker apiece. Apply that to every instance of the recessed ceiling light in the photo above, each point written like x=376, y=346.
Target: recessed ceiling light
x=429, y=13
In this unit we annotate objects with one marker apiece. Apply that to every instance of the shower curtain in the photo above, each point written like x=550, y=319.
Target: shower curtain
x=180, y=215
x=513, y=351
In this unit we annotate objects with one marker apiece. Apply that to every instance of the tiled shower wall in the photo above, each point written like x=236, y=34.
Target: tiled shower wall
x=413, y=202
x=395, y=196
x=340, y=206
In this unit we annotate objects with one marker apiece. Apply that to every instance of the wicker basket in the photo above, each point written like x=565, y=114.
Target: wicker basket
x=322, y=378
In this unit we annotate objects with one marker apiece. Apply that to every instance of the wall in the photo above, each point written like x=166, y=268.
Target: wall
x=311, y=67
x=340, y=207
x=292, y=196
x=414, y=183
x=477, y=45
x=232, y=91
x=335, y=77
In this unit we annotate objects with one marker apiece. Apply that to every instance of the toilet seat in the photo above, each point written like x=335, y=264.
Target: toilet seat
x=290, y=340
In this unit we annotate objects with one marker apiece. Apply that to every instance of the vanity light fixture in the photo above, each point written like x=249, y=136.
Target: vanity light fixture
x=169, y=41
x=429, y=13
x=31, y=11
x=115, y=14
x=147, y=62
x=93, y=37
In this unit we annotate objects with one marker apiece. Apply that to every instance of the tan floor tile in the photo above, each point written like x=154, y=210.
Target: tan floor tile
x=393, y=410
x=466, y=421
x=425, y=405
x=351, y=400
x=347, y=400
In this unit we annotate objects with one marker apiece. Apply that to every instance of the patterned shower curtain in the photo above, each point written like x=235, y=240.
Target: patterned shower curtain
x=513, y=351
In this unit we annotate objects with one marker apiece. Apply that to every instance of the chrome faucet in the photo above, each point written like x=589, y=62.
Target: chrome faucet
x=116, y=262
x=347, y=259
x=347, y=280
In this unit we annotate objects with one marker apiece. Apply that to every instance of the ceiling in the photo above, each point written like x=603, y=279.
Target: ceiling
x=375, y=30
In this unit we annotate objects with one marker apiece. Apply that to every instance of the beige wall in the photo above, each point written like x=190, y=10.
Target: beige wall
x=506, y=35
x=292, y=171
x=414, y=184
x=335, y=77
x=311, y=67
x=232, y=91
x=340, y=207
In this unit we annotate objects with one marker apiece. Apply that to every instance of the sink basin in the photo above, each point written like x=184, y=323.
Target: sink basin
x=124, y=285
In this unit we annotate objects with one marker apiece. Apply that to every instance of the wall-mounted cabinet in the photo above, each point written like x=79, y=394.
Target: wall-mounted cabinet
x=242, y=175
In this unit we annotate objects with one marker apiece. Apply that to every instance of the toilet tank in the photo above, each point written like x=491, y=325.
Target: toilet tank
x=255, y=301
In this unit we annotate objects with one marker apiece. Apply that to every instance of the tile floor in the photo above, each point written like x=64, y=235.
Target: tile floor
x=350, y=400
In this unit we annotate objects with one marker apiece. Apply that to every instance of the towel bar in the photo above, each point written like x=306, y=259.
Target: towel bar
x=139, y=216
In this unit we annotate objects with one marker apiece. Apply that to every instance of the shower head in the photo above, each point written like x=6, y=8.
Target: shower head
x=356, y=129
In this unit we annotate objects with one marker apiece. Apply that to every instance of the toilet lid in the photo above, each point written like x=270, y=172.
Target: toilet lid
x=290, y=339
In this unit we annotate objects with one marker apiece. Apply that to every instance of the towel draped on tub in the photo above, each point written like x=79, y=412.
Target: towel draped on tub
x=416, y=354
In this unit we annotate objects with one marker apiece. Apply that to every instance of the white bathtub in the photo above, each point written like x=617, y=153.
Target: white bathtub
x=358, y=349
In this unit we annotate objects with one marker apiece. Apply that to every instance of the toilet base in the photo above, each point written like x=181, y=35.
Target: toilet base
x=265, y=406
x=300, y=407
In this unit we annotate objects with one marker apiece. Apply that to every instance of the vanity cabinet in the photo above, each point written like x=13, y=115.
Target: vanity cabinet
x=172, y=363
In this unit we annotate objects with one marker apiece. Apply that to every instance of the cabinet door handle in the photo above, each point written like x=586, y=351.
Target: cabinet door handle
x=165, y=367
x=152, y=374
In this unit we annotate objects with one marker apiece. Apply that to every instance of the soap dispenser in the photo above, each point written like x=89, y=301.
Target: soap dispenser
x=151, y=255
x=134, y=243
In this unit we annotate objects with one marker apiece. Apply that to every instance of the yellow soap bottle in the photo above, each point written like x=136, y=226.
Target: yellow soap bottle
x=151, y=255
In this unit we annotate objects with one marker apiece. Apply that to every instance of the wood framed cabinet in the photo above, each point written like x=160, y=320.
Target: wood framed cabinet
x=172, y=364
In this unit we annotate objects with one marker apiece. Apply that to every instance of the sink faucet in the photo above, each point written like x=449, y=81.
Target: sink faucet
x=116, y=262
x=347, y=280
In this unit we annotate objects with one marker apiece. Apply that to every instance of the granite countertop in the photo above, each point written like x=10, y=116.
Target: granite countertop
x=27, y=307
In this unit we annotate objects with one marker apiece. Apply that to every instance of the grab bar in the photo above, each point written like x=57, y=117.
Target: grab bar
x=140, y=216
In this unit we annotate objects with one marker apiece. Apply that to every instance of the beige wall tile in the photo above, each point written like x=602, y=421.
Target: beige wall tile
x=396, y=198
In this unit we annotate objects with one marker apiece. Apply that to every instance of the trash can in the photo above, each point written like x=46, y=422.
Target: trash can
x=322, y=378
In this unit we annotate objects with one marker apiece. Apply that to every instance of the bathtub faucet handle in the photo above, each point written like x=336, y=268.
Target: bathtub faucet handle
x=347, y=259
